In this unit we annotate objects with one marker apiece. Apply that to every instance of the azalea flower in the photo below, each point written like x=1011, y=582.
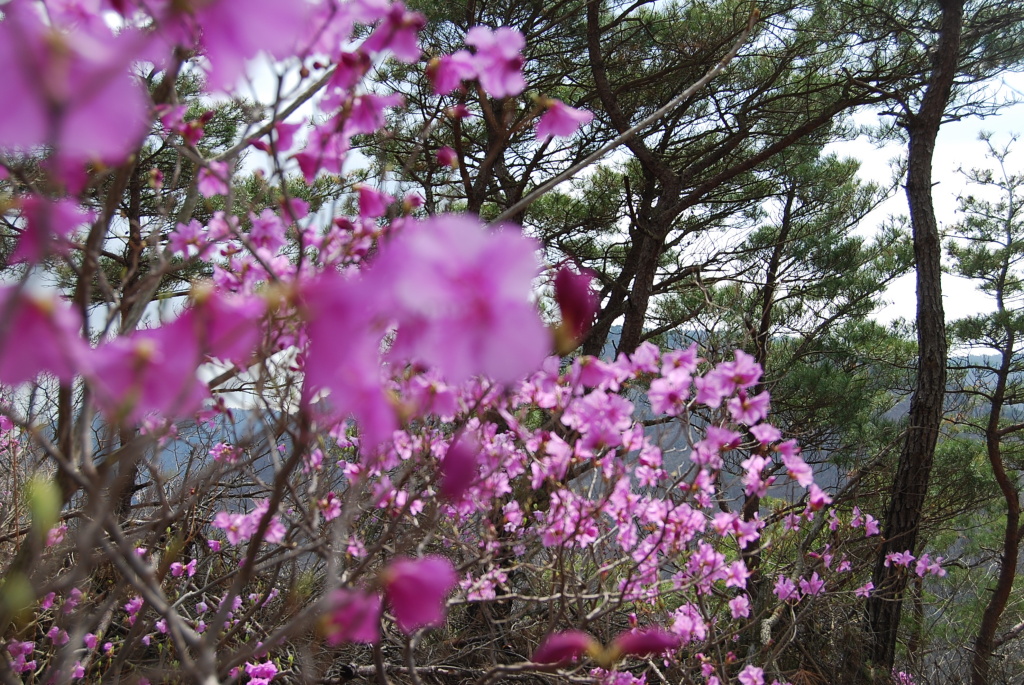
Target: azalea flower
x=561, y=120
x=645, y=642
x=498, y=59
x=41, y=335
x=559, y=648
x=416, y=590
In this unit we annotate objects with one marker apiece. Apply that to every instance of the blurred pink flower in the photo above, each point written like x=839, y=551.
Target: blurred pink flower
x=344, y=342
x=459, y=468
x=40, y=335
x=751, y=675
x=460, y=295
x=69, y=88
x=558, y=648
x=354, y=616
x=230, y=33
x=645, y=642
x=151, y=370
x=561, y=120
x=498, y=59
x=416, y=590
x=227, y=325
x=48, y=223
x=576, y=299
x=449, y=71
x=446, y=156
x=397, y=33
x=367, y=112
x=213, y=179
x=372, y=202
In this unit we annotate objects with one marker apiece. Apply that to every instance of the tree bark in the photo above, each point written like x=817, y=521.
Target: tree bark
x=903, y=517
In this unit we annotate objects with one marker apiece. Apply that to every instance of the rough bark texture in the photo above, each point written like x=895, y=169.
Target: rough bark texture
x=903, y=517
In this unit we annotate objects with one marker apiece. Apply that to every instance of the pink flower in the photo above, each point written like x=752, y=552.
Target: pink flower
x=42, y=335
x=354, y=616
x=213, y=179
x=397, y=32
x=350, y=67
x=813, y=585
x=689, y=624
x=56, y=535
x=785, y=589
x=446, y=156
x=499, y=64
x=373, y=203
x=266, y=670
x=231, y=33
x=344, y=342
x=707, y=452
x=797, y=468
x=669, y=395
x=58, y=636
x=645, y=642
x=227, y=325
x=561, y=120
x=461, y=298
x=748, y=410
x=576, y=300
x=325, y=150
x=235, y=526
x=739, y=606
x=367, y=113
x=751, y=675
x=904, y=558
x=559, y=648
x=737, y=575
x=68, y=88
x=47, y=226
x=459, y=111
x=416, y=590
x=178, y=569
x=330, y=506
x=150, y=371
x=449, y=71
x=268, y=230
x=459, y=468
x=817, y=498
x=712, y=388
x=765, y=433
x=188, y=240
x=865, y=590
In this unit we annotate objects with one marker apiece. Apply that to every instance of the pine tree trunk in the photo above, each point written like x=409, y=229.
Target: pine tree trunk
x=907, y=496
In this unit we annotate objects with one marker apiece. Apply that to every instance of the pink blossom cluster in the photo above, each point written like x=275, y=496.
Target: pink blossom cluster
x=416, y=392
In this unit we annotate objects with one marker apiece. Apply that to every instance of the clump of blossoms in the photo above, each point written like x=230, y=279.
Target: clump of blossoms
x=348, y=432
